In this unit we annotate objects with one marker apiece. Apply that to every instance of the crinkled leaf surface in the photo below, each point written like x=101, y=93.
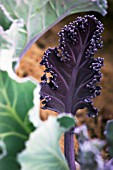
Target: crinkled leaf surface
x=43, y=150
x=37, y=16
x=74, y=71
x=15, y=103
x=109, y=136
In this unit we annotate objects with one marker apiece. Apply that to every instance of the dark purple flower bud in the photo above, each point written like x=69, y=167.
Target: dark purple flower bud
x=74, y=71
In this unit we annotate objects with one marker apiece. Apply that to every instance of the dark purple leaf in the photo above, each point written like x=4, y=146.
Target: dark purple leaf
x=74, y=70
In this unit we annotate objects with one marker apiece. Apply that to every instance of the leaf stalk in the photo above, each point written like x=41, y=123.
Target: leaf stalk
x=69, y=149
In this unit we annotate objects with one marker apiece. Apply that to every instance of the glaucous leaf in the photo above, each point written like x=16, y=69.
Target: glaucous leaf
x=109, y=165
x=74, y=71
x=37, y=16
x=34, y=115
x=43, y=150
x=8, y=40
x=15, y=103
x=109, y=136
x=89, y=155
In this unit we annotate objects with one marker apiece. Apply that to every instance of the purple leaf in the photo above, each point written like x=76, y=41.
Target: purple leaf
x=74, y=71
x=109, y=165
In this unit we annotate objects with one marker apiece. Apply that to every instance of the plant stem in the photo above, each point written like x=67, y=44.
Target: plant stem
x=69, y=149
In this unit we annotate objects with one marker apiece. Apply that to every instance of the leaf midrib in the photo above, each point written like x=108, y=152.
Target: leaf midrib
x=75, y=71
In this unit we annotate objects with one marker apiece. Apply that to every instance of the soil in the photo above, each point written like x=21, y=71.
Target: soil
x=29, y=65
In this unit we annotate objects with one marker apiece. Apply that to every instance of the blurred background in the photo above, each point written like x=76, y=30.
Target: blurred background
x=30, y=66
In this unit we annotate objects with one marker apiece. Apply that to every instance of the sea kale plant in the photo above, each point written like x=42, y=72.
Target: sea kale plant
x=74, y=73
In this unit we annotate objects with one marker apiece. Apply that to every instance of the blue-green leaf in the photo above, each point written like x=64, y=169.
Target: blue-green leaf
x=35, y=17
x=43, y=150
x=109, y=136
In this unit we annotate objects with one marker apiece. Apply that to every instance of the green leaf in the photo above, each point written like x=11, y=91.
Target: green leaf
x=3, y=151
x=109, y=136
x=4, y=21
x=8, y=41
x=34, y=115
x=43, y=150
x=66, y=121
x=37, y=16
x=15, y=103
